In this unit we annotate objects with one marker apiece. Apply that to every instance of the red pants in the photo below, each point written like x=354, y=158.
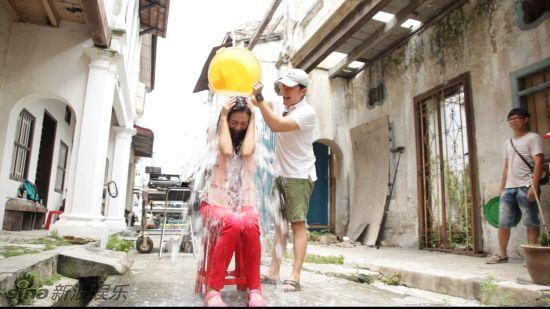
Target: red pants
x=227, y=227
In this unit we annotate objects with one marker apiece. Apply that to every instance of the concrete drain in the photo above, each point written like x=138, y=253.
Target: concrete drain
x=82, y=293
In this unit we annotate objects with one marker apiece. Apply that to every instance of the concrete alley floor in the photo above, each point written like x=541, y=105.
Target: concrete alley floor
x=171, y=282
x=453, y=274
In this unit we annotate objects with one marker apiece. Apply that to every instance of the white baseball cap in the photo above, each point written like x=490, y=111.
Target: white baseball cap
x=294, y=77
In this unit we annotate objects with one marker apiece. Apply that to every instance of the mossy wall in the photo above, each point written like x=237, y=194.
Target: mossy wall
x=481, y=38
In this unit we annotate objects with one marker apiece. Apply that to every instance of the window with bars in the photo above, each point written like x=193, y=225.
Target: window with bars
x=61, y=167
x=445, y=158
x=22, y=146
x=376, y=95
x=531, y=13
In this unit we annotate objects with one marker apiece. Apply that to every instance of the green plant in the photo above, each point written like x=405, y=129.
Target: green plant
x=544, y=240
x=314, y=235
x=489, y=292
x=15, y=251
x=327, y=232
x=52, y=241
x=25, y=289
x=320, y=259
x=364, y=279
x=55, y=235
x=390, y=278
x=53, y=279
x=489, y=288
x=117, y=244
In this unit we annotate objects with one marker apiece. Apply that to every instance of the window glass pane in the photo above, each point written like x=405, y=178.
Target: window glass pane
x=59, y=179
x=62, y=159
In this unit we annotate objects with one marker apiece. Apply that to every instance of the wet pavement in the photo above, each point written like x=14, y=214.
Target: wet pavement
x=171, y=282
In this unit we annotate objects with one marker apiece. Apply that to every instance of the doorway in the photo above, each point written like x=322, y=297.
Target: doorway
x=321, y=212
x=45, y=156
x=446, y=164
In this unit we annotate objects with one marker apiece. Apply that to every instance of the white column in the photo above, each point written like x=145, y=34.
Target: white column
x=83, y=216
x=121, y=160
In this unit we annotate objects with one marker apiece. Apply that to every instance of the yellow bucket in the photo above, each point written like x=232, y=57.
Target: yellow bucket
x=233, y=70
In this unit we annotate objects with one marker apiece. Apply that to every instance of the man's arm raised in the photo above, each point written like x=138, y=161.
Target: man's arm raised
x=274, y=122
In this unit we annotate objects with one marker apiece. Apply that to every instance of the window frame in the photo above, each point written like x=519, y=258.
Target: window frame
x=379, y=91
x=520, y=21
x=517, y=78
x=17, y=146
x=62, y=168
x=475, y=225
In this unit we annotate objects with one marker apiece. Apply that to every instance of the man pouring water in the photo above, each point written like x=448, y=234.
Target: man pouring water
x=293, y=122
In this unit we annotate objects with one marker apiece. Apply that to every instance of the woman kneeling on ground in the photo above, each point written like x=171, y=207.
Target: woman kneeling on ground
x=229, y=208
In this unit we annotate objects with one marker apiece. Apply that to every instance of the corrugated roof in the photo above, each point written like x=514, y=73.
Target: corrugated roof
x=362, y=37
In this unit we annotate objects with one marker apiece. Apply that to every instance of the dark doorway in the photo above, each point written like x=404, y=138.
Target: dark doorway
x=318, y=215
x=45, y=156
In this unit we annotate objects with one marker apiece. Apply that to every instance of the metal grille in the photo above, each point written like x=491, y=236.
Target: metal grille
x=22, y=146
x=446, y=199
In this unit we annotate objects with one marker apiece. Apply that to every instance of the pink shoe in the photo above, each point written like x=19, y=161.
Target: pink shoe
x=212, y=294
x=256, y=303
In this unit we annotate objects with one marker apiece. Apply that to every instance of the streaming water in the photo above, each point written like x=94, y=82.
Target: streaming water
x=264, y=174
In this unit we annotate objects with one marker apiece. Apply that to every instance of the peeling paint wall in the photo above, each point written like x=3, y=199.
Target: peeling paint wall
x=481, y=38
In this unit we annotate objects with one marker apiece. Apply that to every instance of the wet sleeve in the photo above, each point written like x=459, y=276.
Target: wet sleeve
x=304, y=117
x=536, y=146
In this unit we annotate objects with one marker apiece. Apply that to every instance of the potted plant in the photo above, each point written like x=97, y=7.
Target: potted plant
x=537, y=257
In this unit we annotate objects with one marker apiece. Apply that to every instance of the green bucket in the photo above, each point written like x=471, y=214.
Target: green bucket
x=490, y=210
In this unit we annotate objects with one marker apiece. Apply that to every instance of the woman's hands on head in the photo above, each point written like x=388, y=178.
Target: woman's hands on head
x=250, y=103
x=228, y=105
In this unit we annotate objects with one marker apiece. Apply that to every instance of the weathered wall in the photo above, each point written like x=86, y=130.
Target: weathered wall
x=326, y=96
x=480, y=38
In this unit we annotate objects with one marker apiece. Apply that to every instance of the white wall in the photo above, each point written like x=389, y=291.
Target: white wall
x=42, y=64
x=5, y=34
x=64, y=133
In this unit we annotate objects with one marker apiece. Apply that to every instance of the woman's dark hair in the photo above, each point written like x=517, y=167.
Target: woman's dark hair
x=238, y=137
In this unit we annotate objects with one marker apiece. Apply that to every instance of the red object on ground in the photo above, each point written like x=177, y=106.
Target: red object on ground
x=547, y=135
x=240, y=233
x=49, y=219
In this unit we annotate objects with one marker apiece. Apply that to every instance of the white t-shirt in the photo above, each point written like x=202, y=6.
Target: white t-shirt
x=294, y=150
x=529, y=145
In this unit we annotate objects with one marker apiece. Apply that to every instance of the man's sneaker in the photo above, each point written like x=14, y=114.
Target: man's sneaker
x=497, y=259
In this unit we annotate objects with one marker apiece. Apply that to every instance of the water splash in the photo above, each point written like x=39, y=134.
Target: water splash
x=266, y=197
